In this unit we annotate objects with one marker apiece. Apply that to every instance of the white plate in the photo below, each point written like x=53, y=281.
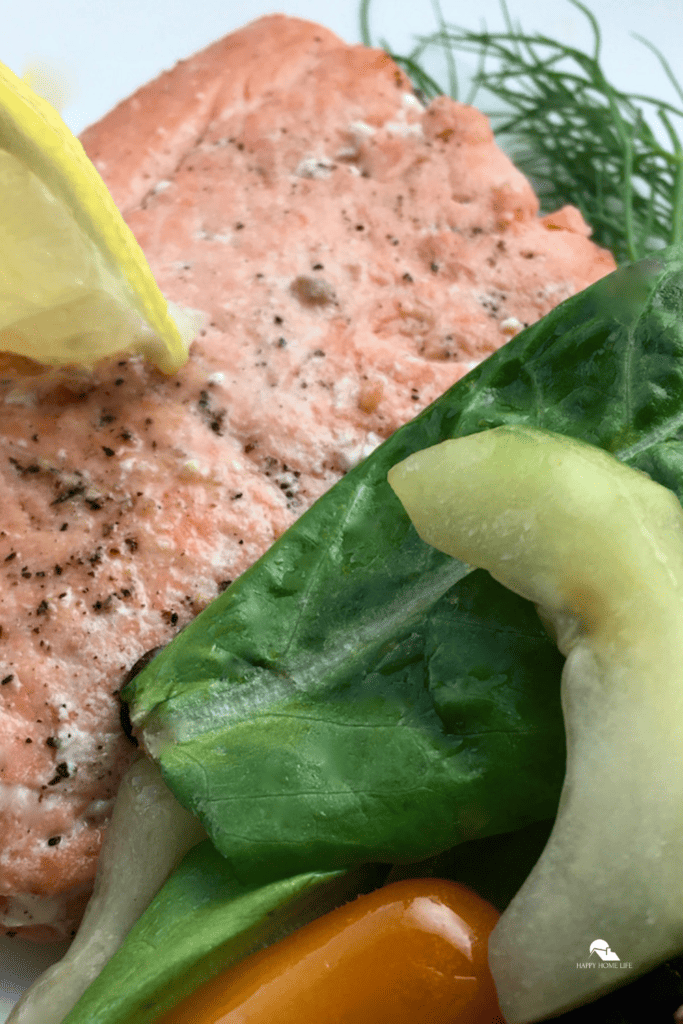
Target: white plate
x=20, y=964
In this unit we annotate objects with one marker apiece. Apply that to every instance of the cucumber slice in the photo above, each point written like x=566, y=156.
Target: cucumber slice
x=598, y=547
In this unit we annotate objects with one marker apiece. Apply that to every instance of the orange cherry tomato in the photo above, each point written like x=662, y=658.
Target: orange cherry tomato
x=414, y=952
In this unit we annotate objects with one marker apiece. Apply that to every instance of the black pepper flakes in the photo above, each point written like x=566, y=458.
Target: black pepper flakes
x=54, y=840
x=7, y=679
x=24, y=470
x=213, y=417
x=109, y=452
x=70, y=492
x=42, y=608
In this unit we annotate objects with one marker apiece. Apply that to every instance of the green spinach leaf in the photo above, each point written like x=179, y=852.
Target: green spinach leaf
x=356, y=695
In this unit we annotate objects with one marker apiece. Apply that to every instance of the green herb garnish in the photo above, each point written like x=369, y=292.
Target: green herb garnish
x=578, y=138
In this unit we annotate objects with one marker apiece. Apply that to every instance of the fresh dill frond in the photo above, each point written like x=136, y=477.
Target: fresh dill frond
x=578, y=138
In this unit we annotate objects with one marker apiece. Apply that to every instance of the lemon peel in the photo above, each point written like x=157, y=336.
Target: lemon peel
x=75, y=286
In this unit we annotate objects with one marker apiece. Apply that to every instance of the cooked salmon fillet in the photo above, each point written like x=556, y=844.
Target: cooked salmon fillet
x=354, y=254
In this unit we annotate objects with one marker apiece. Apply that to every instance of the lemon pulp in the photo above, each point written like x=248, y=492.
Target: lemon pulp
x=75, y=286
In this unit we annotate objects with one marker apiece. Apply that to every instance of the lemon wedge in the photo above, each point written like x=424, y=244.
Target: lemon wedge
x=75, y=286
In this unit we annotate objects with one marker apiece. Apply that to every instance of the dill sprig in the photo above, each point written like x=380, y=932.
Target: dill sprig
x=578, y=138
